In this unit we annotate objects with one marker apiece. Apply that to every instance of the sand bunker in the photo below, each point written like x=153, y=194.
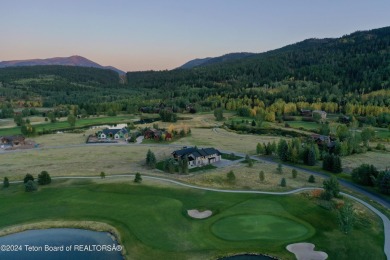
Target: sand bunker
x=305, y=251
x=199, y=215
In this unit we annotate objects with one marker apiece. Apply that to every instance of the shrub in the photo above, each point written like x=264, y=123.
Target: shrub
x=231, y=178
x=27, y=178
x=30, y=186
x=6, y=182
x=137, y=178
x=365, y=174
x=44, y=178
x=261, y=176
x=294, y=173
x=283, y=182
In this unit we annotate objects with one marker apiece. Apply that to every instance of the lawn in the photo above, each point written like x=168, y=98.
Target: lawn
x=61, y=125
x=304, y=124
x=153, y=223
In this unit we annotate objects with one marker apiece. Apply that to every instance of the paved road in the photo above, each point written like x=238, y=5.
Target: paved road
x=386, y=222
x=383, y=201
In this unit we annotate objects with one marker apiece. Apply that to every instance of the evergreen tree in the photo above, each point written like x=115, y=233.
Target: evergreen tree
x=283, y=182
x=218, y=113
x=384, y=182
x=137, y=178
x=283, y=150
x=184, y=165
x=327, y=163
x=365, y=174
x=151, y=159
x=294, y=173
x=311, y=179
x=44, y=178
x=27, y=178
x=6, y=182
x=102, y=175
x=311, y=157
x=30, y=186
x=259, y=148
x=336, y=164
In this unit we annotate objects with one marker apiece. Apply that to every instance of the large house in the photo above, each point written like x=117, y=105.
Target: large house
x=198, y=157
x=113, y=133
x=321, y=113
x=14, y=140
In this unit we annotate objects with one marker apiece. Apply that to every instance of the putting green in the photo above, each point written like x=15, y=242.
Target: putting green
x=251, y=227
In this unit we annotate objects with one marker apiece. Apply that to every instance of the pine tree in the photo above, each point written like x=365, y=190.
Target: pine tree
x=312, y=179
x=184, y=165
x=294, y=173
x=311, y=157
x=283, y=182
x=137, y=178
x=336, y=165
x=44, y=178
x=259, y=148
x=283, y=150
x=6, y=182
x=151, y=159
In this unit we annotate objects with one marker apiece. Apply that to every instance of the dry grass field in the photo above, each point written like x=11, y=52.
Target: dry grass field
x=78, y=160
x=225, y=140
x=90, y=160
x=380, y=159
x=248, y=178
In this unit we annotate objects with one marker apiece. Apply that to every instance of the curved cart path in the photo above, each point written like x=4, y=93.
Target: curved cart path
x=386, y=222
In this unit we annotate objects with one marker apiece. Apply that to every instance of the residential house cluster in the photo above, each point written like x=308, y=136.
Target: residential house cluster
x=311, y=113
x=113, y=133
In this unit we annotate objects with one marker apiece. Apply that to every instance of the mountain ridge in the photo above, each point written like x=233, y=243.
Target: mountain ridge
x=74, y=60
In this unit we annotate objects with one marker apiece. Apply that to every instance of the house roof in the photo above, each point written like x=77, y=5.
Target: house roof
x=196, y=152
x=319, y=111
x=114, y=131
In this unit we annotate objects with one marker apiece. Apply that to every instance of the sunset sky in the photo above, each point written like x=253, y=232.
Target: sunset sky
x=164, y=34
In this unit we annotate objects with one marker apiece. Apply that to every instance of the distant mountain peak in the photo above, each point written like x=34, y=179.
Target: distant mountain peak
x=74, y=60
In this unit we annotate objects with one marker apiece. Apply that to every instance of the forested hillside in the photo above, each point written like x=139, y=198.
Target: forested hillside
x=348, y=75
x=356, y=62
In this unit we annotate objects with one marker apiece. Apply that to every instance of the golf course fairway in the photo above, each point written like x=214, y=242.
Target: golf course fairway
x=152, y=221
x=249, y=227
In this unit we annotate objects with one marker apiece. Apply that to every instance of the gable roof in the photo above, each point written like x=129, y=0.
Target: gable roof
x=196, y=152
x=114, y=131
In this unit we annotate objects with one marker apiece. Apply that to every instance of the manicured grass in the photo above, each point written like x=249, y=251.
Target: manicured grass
x=153, y=223
x=304, y=124
x=61, y=125
x=250, y=227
